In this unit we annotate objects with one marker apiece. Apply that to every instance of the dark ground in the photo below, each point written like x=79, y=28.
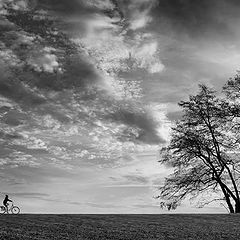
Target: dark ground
x=77, y=227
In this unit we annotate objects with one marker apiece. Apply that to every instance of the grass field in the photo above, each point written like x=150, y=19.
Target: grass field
x=117, y=227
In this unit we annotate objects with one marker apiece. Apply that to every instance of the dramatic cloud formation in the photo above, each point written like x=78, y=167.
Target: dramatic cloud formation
x=87, y=88
x=63, y=82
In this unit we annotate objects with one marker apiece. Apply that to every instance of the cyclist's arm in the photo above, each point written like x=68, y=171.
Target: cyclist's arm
x=9, y=200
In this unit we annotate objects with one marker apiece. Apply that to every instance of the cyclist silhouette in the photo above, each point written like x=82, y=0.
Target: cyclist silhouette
x=5, y=202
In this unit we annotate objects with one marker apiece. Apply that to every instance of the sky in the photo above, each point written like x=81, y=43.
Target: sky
x=89, y=92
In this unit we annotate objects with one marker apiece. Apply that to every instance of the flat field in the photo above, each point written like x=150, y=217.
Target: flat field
x=116, y=227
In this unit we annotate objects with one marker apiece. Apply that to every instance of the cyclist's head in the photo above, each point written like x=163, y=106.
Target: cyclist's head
x=6, y=195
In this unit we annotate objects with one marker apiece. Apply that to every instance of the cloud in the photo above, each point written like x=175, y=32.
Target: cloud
x=60, y=5
x=8, y=57
x=107, y=40
x=137, y=13
x=196, y=19
x=65, y=101
x=103, y=5
x=146, y=56
x=140, y=22
x=15, y=5
x=46, y=62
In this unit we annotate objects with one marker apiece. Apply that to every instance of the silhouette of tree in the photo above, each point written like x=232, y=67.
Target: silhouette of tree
x=203, y=151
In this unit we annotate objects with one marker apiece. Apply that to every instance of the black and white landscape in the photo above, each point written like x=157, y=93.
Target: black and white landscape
x=120, y=107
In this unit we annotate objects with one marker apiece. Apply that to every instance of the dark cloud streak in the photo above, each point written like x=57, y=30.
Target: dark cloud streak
x=142, y=120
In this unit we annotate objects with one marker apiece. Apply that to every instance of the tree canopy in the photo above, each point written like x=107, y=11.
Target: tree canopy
x=204, y=148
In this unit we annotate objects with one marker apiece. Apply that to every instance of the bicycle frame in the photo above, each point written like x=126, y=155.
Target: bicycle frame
x=9, y=208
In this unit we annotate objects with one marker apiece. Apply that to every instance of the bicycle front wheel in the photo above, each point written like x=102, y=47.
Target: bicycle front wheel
x=15, y=210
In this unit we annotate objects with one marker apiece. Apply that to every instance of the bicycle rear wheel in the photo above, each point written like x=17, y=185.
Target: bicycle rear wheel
x=2, y=209
x=15, y=210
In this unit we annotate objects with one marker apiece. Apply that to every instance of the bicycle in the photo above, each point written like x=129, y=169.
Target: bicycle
x=13, y=209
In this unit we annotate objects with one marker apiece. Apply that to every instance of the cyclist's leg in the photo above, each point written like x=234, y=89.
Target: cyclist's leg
x=6, y=206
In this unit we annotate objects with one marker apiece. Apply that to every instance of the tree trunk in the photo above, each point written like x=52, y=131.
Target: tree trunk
x=230, y=206
x=227, y=197
x=237, y=207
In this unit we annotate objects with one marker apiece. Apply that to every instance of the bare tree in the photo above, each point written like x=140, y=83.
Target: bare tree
x=203, y=151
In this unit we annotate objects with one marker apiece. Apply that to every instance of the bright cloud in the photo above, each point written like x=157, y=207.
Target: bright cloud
x=146, y=56
x=138, y=13
x=45, y=60
x=103, y=5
